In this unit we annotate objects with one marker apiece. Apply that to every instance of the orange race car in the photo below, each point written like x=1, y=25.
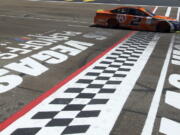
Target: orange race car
x=137, y=18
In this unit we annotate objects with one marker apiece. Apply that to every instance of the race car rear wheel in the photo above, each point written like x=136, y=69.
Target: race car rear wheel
x=112, y=23
x=163, y=27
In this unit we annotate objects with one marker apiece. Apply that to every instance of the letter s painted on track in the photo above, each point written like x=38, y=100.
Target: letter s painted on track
x=8, y=82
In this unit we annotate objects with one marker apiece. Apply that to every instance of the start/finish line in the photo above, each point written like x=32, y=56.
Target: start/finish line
x=90, y=102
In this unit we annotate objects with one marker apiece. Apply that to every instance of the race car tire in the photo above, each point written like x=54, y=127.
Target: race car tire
x=112, y=23
x=163, y=27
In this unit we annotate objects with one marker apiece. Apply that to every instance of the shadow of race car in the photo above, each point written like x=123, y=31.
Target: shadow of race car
x=136, y=18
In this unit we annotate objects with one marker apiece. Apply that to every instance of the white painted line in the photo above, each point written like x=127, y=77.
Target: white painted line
x=147, y=130
x=155, y=9
x=178, y=14
x=168, y=11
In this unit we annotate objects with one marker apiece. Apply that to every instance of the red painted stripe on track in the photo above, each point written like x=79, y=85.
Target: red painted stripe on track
x=39, y=99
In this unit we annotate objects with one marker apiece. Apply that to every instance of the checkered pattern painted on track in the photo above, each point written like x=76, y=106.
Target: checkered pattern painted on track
x=91, y=102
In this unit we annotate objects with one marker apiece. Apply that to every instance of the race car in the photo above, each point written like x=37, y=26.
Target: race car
x=137, y=18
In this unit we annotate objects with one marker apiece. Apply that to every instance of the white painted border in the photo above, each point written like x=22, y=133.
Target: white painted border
x=149, y=124
x=178, y=14
x=155, y=9
x=168, y=11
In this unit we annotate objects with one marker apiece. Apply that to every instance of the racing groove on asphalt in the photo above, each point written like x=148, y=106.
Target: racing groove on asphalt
x=91, y=102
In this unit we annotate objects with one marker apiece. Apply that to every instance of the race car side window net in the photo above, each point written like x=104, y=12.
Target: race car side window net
x=137, y=12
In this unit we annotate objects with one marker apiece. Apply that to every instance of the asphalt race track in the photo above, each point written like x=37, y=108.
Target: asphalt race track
x=129, y=2
x=61, y=75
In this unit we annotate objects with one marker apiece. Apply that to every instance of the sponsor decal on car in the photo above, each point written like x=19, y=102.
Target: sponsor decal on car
x=121, y=18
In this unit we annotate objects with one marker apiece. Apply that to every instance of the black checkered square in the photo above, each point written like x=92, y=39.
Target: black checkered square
x=26, y=131
x=76, y=129
x=61, y=101
x=45, y=115
x=59, y=122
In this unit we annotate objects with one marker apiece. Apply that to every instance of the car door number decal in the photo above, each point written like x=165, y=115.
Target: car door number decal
x=121, y=18
x=136, y=21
